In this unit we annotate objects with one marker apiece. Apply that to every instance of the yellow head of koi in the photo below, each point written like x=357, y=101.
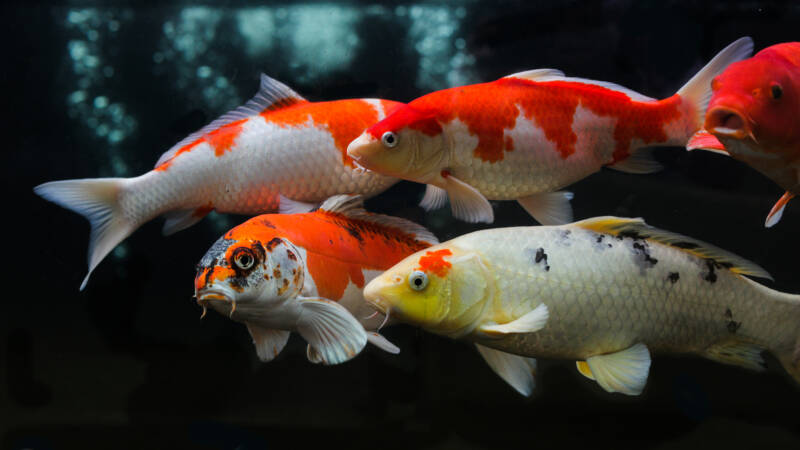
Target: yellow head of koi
x=247, y=277
x=407, y=144
x=442, y=289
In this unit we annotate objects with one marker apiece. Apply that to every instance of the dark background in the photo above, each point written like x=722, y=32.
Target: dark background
x=128, y=364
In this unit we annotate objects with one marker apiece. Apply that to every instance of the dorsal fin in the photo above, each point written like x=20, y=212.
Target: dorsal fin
x=537, y=74
x=638, y=229
x=271, y=95
x=546, y=75
x=352, y=206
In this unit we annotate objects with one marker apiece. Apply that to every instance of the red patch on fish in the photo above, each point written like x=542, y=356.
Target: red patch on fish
x=489, y=109
x=223, y=138
x=338, y=248
x=186, y=148
x=434, y=262
x=203, y=210
x=345, y=120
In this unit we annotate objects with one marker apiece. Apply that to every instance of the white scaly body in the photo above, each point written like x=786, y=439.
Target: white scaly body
x=605, y=292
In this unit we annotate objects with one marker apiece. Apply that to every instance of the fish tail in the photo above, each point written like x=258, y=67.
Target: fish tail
x=697, y=91
x=97, y=199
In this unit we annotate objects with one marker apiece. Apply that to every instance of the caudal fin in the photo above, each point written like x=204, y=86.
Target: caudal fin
x=95, y=199
x=697, y=91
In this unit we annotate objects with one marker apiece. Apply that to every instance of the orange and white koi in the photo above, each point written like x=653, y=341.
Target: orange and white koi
x=525, y=136
x=305, y=272
x=754, y=116
x=278, y=143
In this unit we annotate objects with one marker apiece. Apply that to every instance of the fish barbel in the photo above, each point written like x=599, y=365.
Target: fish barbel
x=604, y=292
x=277, y=144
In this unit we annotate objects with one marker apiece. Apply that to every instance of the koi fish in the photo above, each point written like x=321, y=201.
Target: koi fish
x=278, y=143
x=279, y=273
x=753, y=116
x=525, y=136
x=605, y=292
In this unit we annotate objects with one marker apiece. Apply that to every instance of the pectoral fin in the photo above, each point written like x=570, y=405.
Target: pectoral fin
x=289, y=206
x=335, y=335
x=641, y=161
x=268, y=342
x=182, y=219
x=583, y=369
x=467, y=203
x=703, y=140
x=434, y=198
x=518, y=371
x=625, y=371
x=776, y=212
x=382, y=343
x=531, y=322
x=549, y=208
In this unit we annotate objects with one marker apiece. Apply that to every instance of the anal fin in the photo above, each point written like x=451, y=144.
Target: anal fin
x=382, y=343
x=183, y=219
x=517, y=371
x=583, y=369
x=269, y=343
x=531, y=322
x=289, y=206
x=737, y=353
x=549, y=208
x=625, y=371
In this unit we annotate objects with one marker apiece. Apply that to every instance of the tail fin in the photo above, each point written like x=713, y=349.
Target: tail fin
x=697, y=91
x=95, y=199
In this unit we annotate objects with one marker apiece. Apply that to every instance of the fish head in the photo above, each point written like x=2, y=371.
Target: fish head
x=442, y=289
x=247, y=277
x=757, y=99
x=407, y=144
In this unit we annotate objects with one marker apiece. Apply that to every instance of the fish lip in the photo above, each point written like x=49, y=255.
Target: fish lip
x=718, y=117
x=210, y=295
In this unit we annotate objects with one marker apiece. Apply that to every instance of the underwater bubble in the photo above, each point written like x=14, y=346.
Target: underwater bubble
x=92, y=122
x=460, y=43
x=92, y=35
x=221, y=82
x=158, y=57
x=116, y=136
x=100, y=102
x=77, y=97
x=204, y=71
x=102, y=130
x=257, y=27
x=113, y=26
x=77, y=49
x=401, y=11
x=121, y=251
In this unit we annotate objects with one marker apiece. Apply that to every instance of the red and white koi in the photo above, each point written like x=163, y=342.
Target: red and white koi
x=754, y=116
x=525, y=136
x=278, y=143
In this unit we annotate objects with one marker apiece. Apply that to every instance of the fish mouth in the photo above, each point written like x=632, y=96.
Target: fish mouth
x=728, y=123
x=360, y=149
x=218, y=300
x=374, y=299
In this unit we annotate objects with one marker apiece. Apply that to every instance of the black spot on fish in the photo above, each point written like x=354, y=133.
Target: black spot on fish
x=274, y=242
x=538, y=257
x=711, y=277
x=290, y=254
x=600, y=238
x=674, y=277
x=642, y=249
x=686, y=245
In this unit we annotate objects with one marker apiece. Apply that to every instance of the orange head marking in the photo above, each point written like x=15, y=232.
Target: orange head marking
x=434, y=262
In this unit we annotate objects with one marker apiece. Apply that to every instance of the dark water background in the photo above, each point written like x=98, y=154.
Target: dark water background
x=98, y=90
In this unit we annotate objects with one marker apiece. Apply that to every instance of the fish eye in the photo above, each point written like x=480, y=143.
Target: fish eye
x=389, y=139
x=417, y=280
x=776, y=91
x=244, y=258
